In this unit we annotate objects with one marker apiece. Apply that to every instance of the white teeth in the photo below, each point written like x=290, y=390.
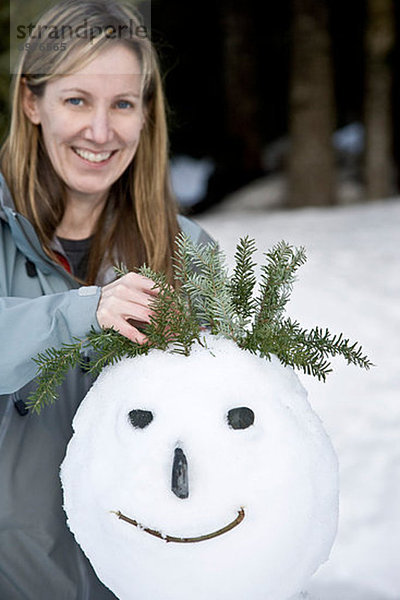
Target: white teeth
x=91, y=156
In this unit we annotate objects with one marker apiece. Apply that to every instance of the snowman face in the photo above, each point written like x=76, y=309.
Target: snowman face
x=186, y=470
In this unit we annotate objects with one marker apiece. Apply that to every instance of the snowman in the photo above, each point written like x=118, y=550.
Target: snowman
x=201, y=477
x=197, y=468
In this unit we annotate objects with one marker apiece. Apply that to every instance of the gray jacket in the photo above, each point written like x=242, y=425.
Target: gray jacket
x=41, y=306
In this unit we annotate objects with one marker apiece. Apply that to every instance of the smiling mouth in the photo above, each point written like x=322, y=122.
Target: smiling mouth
x=184, y=540
x=94, y=157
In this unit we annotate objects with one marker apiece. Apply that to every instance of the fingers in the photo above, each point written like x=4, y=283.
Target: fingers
x=130, y=332
x=125, y=303
x=146, y=284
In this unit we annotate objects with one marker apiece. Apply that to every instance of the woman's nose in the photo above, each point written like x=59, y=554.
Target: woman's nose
x=99, y=129
x=180, y=475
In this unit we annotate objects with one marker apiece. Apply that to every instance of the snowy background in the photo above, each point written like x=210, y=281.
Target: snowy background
x=350, y=283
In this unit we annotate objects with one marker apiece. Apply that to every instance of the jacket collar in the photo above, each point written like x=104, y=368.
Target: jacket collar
x=6, y=200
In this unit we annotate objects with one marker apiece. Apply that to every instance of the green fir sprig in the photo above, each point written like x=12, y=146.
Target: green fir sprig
x=243, y=282
x=207, y=297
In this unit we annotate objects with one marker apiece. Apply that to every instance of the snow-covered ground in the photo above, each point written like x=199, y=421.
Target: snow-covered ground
x=350, y=283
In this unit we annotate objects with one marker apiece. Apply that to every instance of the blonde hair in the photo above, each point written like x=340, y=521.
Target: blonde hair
x=139, y=221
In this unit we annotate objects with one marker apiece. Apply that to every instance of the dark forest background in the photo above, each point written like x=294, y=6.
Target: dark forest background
x=261, y=87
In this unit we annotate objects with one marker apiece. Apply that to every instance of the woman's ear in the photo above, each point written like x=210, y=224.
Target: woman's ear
x=30, y=103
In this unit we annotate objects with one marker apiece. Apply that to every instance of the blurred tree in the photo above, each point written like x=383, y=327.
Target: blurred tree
x=312, y=114
x=242, y=111
x=238, y=156
x=379, y=44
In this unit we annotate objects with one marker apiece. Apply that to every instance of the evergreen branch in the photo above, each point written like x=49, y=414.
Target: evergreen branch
x=204, y=278
x=109, y=347
x=182, y=262
x=205, y=295
x=160, y=330
x=293, y=348
x=277, y=278
x=174, y=323
x=120, y=270
x=333, y=345
x=53, y=365
x=244, y=280
x=308, y=350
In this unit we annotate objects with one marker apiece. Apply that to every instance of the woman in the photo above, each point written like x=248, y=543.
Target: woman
x=84, y=185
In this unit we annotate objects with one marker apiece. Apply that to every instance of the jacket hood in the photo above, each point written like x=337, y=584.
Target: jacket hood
x=24, y=234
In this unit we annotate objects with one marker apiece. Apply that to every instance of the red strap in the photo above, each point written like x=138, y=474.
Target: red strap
x=64, y=262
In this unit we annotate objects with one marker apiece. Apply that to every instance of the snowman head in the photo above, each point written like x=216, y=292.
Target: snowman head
x=206, y=476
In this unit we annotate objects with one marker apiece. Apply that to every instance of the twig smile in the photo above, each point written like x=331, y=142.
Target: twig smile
x=184, y=540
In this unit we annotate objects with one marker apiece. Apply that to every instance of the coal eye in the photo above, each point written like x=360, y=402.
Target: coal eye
x=240, y=418
x=140, y=418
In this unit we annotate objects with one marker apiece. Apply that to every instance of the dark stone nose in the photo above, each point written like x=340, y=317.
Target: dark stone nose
x=180, y=475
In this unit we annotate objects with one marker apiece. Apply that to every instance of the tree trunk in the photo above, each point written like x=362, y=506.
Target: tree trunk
x=240, y=82
x=311, y=124
x=379, y=41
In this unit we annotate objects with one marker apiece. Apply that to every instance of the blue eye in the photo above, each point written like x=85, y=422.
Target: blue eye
x=75, y=101
x=124, y=104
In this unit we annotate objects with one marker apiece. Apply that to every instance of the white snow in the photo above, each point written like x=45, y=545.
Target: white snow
x=189, y=178
x=351, y=283
x=281, y=470
x=350, y=139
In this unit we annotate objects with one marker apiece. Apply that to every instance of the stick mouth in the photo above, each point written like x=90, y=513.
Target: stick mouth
x=184, y=540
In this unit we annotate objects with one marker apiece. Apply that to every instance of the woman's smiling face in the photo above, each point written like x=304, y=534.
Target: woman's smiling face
x=91, y=121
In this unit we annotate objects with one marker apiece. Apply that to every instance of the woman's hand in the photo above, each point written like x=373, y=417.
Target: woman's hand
x=124, y=300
